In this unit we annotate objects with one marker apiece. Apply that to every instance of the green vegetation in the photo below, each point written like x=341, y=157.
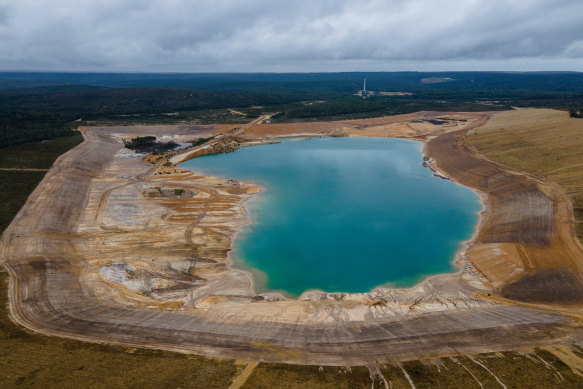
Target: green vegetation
x=36, y=121
x=178, y=192
x=17, y=184
x=38, y=155
x=49, y=112
x=354, y=107
x=31, y=360
x=304, y=86
x=38, y=106
x=19, y=127
x=267, y=376
x=200, y=141
x=35, y=361
x=538, y=369
x=574, y=113
x=140, y=141
x=148, y=144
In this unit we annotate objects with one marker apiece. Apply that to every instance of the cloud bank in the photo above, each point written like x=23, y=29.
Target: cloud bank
x=294, y=35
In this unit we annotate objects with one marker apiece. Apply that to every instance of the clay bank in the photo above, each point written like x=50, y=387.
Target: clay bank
x=113, y=247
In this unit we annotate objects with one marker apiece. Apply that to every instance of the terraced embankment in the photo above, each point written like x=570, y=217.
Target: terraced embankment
x=527, y=246
x=90, y=233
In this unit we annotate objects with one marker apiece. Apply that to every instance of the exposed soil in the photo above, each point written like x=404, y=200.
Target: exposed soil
x=154, y=271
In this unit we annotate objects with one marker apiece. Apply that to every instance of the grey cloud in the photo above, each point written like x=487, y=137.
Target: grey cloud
x=300, y=35
x=5, y=12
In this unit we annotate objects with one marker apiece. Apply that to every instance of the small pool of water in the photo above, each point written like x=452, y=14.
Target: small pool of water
x=344, y=214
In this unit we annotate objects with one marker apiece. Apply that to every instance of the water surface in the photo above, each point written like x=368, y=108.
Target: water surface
x=345, y=214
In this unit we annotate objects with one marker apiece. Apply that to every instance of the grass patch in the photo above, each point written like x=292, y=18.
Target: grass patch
x=539, y=369
x=17, y=185
x=37, y=155
x=200, y=141
x=268, y=375
x=442, y=374
x=544, y=142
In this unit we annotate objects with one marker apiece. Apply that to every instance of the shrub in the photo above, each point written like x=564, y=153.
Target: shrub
x=200, y=141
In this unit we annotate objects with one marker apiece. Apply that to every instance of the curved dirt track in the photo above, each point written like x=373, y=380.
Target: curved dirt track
x=47, y=296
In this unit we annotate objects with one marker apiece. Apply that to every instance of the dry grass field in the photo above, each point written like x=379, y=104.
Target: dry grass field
x=544, y=142
x=536, y=369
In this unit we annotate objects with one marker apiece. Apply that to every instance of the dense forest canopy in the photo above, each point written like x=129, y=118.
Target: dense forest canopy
x=309, y=83
x=36, y=106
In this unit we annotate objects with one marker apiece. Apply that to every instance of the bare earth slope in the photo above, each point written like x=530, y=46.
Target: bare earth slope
x=545, y=142
x=107, y=250
x=527, y=246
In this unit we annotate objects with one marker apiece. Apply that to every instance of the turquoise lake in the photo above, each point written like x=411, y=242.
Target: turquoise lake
x=344, y=214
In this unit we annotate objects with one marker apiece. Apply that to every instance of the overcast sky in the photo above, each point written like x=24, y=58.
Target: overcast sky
x=292, y=35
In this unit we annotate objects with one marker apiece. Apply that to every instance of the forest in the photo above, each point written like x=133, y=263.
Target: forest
x=40, y=106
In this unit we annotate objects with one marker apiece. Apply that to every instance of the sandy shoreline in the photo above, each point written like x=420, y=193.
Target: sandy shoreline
x=458, y=260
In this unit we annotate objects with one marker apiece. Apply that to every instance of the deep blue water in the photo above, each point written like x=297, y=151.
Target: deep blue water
x=345, y=214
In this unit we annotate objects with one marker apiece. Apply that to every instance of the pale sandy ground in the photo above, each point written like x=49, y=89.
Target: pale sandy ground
x=108, y=250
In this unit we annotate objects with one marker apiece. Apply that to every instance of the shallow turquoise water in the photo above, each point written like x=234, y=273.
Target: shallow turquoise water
x=345, y=214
